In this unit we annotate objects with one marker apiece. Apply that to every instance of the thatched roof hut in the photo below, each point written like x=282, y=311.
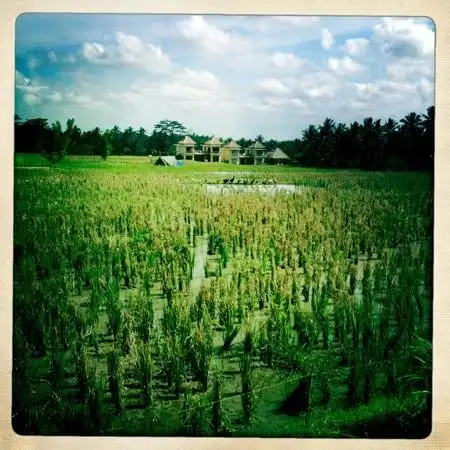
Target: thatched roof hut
x=168, y=161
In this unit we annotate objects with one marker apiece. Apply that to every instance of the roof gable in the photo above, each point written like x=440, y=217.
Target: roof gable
x=257, y=145
x=279, y=154
x=213, y=141
x=187, y=140
x=233, y=144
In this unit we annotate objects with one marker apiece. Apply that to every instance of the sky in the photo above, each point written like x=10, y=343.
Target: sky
x=230, y=76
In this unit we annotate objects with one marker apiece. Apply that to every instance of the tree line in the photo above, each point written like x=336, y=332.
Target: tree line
x=370, y=145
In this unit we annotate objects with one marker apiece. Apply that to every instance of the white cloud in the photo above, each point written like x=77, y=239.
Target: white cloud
x=93, y=52
x=357, y=105
x=426, y=86
x=70, y=59
x=28, y=86
x=32, y=62
x=408, y=68
x=85, y=100
x=31, y=99
x=155, y=60
x=21, y=80
x=206, y=36
x=320, y=92
x=200, y=79
x=133, y=51
x=55, y=97
x=191, y=86
x=126, y=96
x=404, y=37
x=344, y=66
x=317, y=85
x=426, y=90
x=385, y=91
x=272, y=86
x=356, y=46
x=128, y=49
x=190, y=96
x=32, y=88
x=286, y=60
x=278, y=102
x=52, y=56
x=327, y=39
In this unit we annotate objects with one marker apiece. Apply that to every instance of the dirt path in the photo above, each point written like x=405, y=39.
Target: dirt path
x=198, y=273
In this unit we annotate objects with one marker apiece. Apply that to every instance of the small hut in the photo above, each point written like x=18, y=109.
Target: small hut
x=168, y=161
x=278, y=157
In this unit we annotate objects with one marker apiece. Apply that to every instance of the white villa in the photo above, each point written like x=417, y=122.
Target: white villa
x=215, y=150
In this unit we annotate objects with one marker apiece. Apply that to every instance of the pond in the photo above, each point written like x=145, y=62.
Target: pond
x=237, y=173
x=252, y=188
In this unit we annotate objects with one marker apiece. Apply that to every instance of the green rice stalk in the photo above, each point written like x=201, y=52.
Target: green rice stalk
x=216, y=399
x=201, y=350
x=115, y=380
x=194, y=418
x=247, y=397
x=145, y=373
x=82, y=370
x=96, y=399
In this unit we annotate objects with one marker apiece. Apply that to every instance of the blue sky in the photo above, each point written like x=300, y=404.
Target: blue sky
x=236, y=76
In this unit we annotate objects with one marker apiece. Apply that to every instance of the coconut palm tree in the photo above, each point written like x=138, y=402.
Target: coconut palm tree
x=428, y=121
x=412, y=130
x=311, y=144
x=327, y=146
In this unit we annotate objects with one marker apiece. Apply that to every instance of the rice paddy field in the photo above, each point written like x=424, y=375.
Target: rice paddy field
x=156, y=301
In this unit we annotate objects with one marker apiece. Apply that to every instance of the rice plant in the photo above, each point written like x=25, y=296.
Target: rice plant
x=201, y=349
x=105, y=269
x=144, y=368
x=115, y=380
x=194, y=415
x=247, y=388
x=216, y=400
x=98, y=415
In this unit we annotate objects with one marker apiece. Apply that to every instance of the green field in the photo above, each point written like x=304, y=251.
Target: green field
x=144, y=305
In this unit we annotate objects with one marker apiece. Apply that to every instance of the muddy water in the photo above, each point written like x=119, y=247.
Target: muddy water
x=237, y=172
x=252, y=188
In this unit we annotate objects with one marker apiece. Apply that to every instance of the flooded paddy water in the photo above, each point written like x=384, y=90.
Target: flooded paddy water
x=269, y=189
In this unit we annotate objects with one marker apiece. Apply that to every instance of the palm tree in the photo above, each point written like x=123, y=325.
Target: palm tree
x=371, y=150
x=411, y=123
x=390, y=143
x=311, y=144
x=328, y=127
x=411, y=128
x=390, y=126
x=428, y=121
x=326, y=150
x=341, y=138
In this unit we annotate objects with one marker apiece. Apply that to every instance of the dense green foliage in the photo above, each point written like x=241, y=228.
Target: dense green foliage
x=370, y=145
x=315, y=303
